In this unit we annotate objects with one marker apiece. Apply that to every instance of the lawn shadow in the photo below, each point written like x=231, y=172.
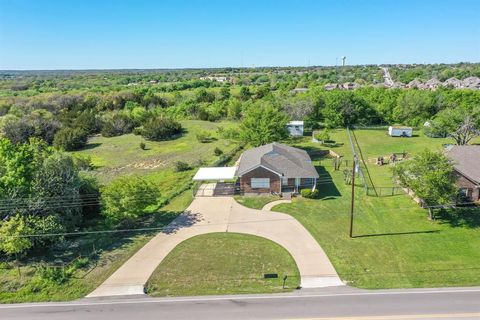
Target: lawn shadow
x=92, y=145
x=396, y=233
x=460, y=217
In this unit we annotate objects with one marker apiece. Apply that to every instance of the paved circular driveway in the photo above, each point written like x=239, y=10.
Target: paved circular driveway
x=224, y=214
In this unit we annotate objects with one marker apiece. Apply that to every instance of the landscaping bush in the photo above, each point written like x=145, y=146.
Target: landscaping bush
x=204, y=136
x=161, y=128
x=70, y=139
x=323, y=136
x=309, y=193
x=217, y=151
x=182, y=166
x=143, y=146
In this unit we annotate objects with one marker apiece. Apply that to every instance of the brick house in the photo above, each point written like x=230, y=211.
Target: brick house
x=466, y=160
x=275, y=168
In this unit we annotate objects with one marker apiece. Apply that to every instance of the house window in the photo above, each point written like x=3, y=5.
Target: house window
x=260, y=183
x=466, y=192
x=284, y=181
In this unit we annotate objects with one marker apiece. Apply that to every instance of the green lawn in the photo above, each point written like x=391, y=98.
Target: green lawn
x=256, y=202
x=122, y=155
x=223, y=263
x=395, y=245
x=376, y=143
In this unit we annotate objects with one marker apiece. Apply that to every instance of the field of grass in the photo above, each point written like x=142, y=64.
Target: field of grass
x=395, y=246
x=223, y=263
x=106, y=252
x=256, y=202
x=377, y=143
x=122, y=155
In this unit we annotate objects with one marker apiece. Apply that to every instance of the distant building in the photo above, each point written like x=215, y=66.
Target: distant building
x=467, y=168
x=432, y=84
x=400, y=131
x=216, y=78
x=350, y=86
x=299, y=90
x=453, y=82
x=471, y=83
x=415, y=84
x=295, y=128
x=330, y=86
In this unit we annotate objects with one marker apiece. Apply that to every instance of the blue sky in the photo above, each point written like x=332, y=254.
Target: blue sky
x=104, y=34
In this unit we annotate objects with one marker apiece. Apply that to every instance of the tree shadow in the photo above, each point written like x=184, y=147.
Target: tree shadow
x=460, y=217
x=396, y=233
x=185, y=220
x=91, y=145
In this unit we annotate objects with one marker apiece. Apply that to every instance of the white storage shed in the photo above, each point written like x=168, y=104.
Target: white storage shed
x=295, y=128
x=400, y=131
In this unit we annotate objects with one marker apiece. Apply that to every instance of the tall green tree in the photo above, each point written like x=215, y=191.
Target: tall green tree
x=41, y=190
x=431, y=176
x=127, y=199
x=262, y=124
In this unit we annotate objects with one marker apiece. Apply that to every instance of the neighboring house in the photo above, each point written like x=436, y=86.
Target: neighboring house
x=295, y=128
x=275, y=168
x=466, y=160
x=400, y=131
x=299, y=90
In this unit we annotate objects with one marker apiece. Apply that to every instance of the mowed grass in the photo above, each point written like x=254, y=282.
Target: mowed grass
x=223, y=263
x=395, y=246
x=122, y=155
x=377, y=143
x=256, y=202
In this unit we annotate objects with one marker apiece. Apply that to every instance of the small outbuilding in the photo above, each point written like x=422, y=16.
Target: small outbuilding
x=400, y=131
x=295, y=128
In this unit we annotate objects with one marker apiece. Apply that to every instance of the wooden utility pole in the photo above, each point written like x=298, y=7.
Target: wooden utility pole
x=352, y=204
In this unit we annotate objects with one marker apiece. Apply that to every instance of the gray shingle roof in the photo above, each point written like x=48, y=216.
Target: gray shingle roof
x=285, y=160
x=466, y=160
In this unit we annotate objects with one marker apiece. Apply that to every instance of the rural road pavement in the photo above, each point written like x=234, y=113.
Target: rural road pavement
x=326, y=303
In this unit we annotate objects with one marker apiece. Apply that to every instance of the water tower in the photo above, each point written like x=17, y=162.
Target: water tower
x=343, y=61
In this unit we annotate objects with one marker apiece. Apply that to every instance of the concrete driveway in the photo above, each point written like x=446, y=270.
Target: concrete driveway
x=223, y=214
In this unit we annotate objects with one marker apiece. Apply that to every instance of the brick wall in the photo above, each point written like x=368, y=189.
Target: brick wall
x=245, y=181
x=463, y=182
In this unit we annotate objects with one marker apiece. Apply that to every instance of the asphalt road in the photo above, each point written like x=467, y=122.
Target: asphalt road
x=345, y=303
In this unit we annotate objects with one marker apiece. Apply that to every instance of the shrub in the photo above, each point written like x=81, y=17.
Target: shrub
x=88, y=122
x=161, y=128
x=83, y=162
x=127, y=199
x=228, y=133
x=143, y=146
x=18, y=131
x=117, y=125
x=204, y=136
x=217, y=151
x=309, y=193
x=323, y=136
x=56, y=275
x=182, y=166
x=70, y=139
